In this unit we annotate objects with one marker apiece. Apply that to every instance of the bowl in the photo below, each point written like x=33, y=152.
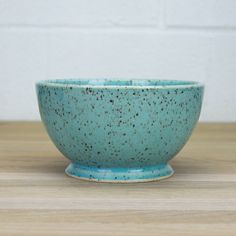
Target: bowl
x=119, y=130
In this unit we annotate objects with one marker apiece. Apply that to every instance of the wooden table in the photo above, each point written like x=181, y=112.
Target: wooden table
x=37, y=198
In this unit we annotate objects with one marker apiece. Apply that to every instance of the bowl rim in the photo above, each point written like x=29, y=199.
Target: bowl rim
x=173, y=84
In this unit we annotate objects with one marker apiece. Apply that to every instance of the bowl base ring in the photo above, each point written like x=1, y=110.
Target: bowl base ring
x=120, y=175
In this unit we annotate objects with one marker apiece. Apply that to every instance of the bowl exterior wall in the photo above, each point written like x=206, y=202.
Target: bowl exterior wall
x=120, y=127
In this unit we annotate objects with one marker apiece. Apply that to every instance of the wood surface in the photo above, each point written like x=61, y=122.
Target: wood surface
x=37, y=198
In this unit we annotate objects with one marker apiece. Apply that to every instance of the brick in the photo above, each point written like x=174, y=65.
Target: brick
x=37, y=55
x=83, y=13
x=220, y=92
x=24, y=60
x=200, y=13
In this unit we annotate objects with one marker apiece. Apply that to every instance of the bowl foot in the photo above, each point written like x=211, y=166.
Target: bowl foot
x=120, y=175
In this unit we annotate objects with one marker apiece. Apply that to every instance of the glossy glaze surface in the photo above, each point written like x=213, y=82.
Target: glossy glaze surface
x=112, y=126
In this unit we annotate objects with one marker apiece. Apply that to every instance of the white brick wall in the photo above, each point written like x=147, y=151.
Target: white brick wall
x=201, y=13
x=82, y=13
x=170, y=39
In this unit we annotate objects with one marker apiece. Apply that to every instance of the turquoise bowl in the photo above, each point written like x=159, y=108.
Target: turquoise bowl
x=119, y=130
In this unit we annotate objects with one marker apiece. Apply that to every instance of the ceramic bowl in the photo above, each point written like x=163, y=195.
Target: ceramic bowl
x=116, y=130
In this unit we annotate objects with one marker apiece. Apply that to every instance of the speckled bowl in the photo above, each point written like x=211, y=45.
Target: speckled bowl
x=116, y=130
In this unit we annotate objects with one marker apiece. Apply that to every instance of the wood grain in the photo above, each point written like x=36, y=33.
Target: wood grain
x=37, y=198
